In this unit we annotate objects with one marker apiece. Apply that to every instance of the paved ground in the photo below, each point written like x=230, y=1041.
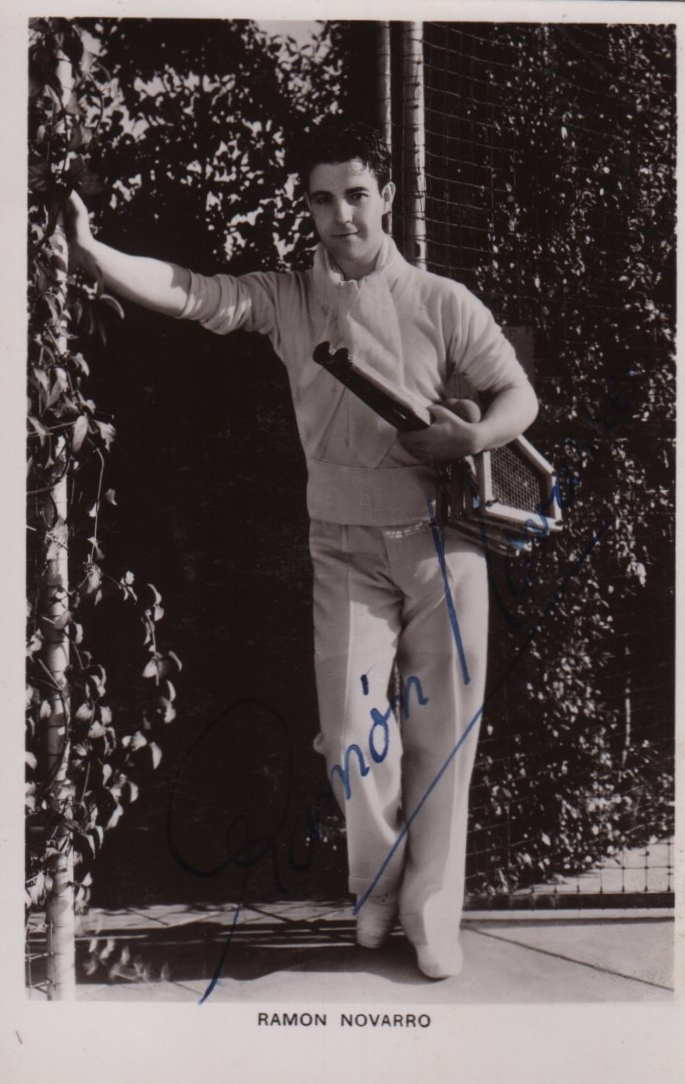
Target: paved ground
x=304, y=952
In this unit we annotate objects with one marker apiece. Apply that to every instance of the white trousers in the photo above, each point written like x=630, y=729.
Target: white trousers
x=401, y=777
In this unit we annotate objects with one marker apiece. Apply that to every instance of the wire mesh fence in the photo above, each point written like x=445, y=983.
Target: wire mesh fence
x=549, y=169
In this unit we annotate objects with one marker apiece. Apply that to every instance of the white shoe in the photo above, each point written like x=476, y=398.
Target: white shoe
x=376, y=919
x=439, y=964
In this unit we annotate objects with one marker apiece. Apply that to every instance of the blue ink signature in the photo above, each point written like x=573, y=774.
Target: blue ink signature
x=520, y=653
x=379, y=720
x=454, y=620
x=253, y=850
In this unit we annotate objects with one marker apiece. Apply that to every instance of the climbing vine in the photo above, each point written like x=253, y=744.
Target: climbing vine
x=103, y=757
x=551, y=193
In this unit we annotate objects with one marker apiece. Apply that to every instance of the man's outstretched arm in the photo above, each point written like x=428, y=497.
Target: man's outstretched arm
x=154, y=284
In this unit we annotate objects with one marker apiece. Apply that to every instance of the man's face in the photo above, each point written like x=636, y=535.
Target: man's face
x=348, y=207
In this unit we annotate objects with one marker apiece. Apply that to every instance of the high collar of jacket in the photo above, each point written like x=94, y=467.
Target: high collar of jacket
x=331, y=284
x=361, y=315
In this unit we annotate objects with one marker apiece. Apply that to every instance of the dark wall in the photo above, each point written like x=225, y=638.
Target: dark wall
x=210, y=486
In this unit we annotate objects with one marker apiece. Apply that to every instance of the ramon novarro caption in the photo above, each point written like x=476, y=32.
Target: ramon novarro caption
x=347, y=1019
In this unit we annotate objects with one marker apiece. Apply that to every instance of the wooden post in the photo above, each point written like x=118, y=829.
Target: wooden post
x=414, y=156
x=384, y=93
x=384, y=82
x=59, y=909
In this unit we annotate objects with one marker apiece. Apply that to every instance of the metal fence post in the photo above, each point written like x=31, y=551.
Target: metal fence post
x=384, y=84
x=414, y=149
x=384, y=92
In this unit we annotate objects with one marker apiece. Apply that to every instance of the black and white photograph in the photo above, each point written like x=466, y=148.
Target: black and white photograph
x=348, y=588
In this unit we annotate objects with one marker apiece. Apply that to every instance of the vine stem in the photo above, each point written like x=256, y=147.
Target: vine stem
x=94, y=543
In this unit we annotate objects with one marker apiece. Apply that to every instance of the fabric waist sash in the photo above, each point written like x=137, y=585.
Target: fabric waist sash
x=370, y=496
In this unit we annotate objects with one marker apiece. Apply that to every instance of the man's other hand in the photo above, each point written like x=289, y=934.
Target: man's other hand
x=453, y=433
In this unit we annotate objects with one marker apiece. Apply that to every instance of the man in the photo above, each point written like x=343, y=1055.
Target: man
x=389, y=591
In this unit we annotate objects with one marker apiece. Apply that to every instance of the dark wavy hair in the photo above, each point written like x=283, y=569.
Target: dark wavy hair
x=337, y=140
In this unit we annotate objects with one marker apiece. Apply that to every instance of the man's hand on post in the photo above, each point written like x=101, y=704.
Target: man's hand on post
x=79, y=235
x=154, y=284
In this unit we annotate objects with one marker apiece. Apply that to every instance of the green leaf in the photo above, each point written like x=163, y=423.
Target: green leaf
x=166, y=710
x=113, y=304
x=84, y=713
x=79, y=433
x=155, y=593
x=116, y=816
x=40, y=177
x=76, y=140
x=35, y=643
x=38, y=427
x=106, y=431
x=79, y=360
x=151, y=669
x=41, y=378
x=168, y=690
x=92, y=580
x=98, y=678
x=59, y=386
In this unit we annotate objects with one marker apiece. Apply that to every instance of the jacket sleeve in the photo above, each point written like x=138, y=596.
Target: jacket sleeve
x=479, y=350
x=225, y=303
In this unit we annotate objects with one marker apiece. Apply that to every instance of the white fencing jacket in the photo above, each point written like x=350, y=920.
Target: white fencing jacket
x=420, y=330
